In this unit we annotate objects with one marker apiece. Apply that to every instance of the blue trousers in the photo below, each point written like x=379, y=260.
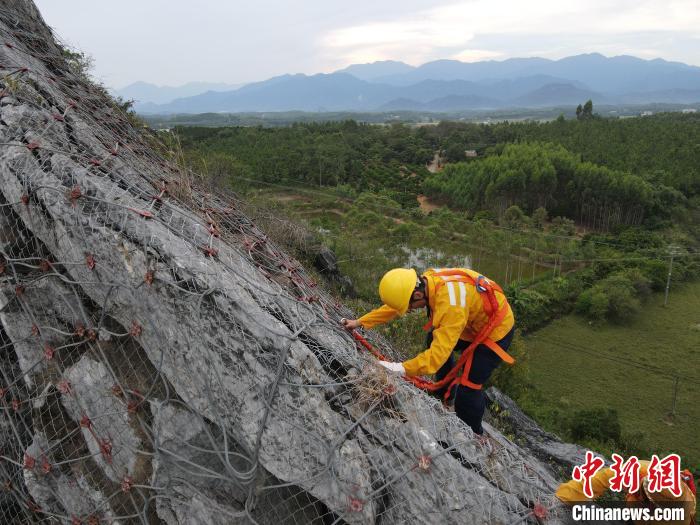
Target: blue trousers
x=470, y=404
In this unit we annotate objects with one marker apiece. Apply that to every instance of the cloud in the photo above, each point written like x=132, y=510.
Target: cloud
x=453, y=29
x=412, y=38
x=475, y=55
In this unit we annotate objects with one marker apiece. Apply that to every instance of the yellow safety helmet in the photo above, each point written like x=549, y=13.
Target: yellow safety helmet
x=396, y=288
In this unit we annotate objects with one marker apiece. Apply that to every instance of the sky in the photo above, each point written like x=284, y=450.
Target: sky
x=173, y=42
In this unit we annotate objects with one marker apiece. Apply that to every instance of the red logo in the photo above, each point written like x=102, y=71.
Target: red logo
x=626, y=474
x=585, y=472
x=665, y=474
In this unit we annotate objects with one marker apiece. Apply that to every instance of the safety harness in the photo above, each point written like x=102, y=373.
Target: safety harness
x=460, y=372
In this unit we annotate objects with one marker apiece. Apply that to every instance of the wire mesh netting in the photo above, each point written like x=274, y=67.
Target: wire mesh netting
x=164, y=361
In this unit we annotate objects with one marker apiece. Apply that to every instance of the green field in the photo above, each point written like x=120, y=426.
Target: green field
x=575, y=365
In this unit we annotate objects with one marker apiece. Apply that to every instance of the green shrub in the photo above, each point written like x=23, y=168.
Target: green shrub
x=563, y=226
x=593, y=303
x=402, y=233
x=621, y=294
x=634, y=443
x=600, y=424
x=531, y=308
x=539, y=217
x=485, y=215
x=656, y=272
x=513, y=217
x=345, y=190
x=613, y=298
x=640, y=282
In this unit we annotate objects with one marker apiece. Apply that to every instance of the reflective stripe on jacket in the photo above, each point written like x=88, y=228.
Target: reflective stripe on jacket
x=457, y=312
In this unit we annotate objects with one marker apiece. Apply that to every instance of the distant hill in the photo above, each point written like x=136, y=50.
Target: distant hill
x=557, y=95
x=144, y=92
x=507, y=89
x=377, y=70
x=442, y=104
x=672, y=96
x=336, y=91
x=448, y=85
x=617, y=75
x=344, y=92
x=456, y=70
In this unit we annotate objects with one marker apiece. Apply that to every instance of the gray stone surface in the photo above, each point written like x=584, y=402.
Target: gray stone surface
x=91, y=396
x=15, y=430
x=185, y=458
x=55, y=492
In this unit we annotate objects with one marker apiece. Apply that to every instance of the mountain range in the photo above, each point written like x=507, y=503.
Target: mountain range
x=449, y=85
x=144, y=92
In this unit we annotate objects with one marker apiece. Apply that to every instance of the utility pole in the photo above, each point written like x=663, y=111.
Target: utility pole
x=675, y=395
x=672, y=250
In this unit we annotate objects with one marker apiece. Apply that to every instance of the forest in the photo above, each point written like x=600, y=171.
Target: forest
x=662, y=149
x=546, y=175
x=361, y=156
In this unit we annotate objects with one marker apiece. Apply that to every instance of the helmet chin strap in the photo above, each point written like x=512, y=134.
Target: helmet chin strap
x=420, y=287
x=414, y=299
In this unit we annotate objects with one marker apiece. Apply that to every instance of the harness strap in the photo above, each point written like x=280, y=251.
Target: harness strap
x=493, y=345
x=465, y=375
x=483, y=338
x=479, y=281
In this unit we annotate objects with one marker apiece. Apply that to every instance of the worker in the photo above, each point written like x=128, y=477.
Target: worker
x=572, y=492
x=460, y=303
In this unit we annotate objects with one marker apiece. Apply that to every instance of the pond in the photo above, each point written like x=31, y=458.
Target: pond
x=501, y=268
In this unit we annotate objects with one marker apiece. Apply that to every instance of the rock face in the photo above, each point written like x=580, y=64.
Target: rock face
x=530, y=435
x=326, y=262
x=164, y=362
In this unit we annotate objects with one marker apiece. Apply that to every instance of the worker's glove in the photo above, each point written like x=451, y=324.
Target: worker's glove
x=397, y=368
x=350, y=324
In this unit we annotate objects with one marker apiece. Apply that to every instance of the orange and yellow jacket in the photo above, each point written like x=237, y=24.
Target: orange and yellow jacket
x=572, y=491
x=457, y=312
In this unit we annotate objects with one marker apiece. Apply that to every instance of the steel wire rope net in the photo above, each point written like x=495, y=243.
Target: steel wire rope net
x=164, y=362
